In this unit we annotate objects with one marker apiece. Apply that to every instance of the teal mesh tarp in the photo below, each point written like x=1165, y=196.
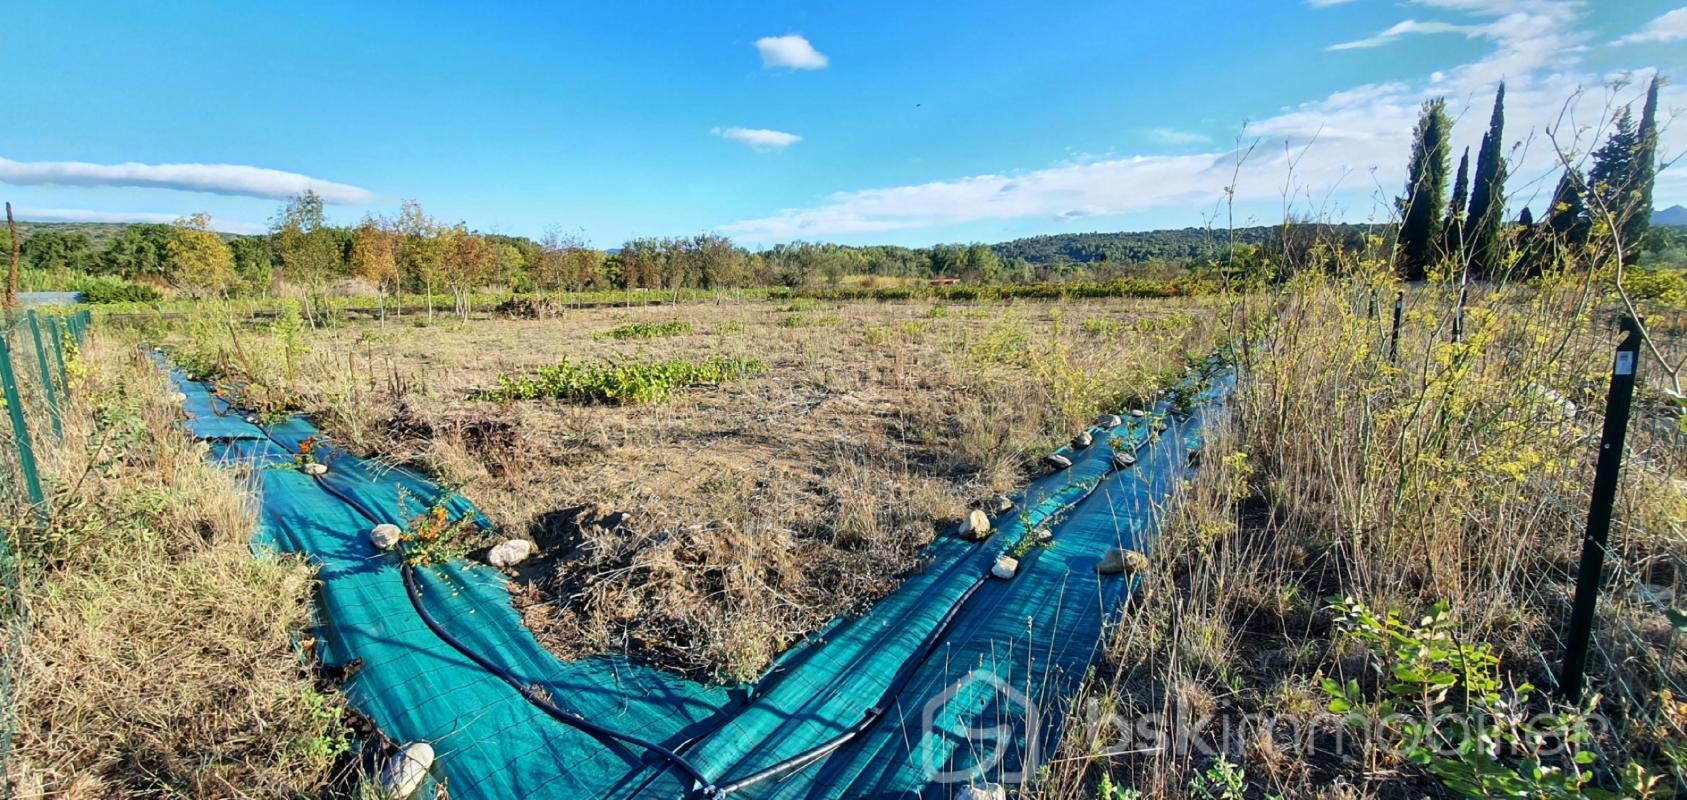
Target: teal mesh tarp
x=967, y=653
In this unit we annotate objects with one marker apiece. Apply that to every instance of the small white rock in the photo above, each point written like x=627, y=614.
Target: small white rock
x=983, y=791
x=1138, y=413
x=1000, y=504
x=315, y=468
x=1123, y=459
x=385, y=536
x=976, y=525
x=1005, y=567
x=1120, y=560
x=1082, y=440
x=1109, y=421
x=510, y=553
x=251, y=419
x=1042, y=535
x=1564, y=406
x=1159, y=426
x=405, y=773
x=178, y=398
x=1057, y=461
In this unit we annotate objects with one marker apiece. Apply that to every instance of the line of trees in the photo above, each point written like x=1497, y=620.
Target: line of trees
x=1443, y=231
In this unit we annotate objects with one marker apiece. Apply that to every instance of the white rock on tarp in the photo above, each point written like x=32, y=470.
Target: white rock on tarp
x=510, y=553
x=314, y=468
x=1138, y=413
x=1109, y=421
x=976, y=525
x=385, y=536
x=1005, y=567
x=1057, y=461
x=1123, y=459
x=1082, y=440
x=1000, y=504
x=251, y=419
x=178, y=398
x=405, y=773
x=1159, y=426
x=1042, y=534
x=1119, y=560
x=983, y=791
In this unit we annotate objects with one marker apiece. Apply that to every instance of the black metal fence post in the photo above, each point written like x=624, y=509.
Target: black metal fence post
x=1605, y=474
x=1394, y=339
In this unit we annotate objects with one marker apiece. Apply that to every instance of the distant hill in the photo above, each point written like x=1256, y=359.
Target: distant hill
x=1169, y=245
x=97, y=232
x=1675, y=215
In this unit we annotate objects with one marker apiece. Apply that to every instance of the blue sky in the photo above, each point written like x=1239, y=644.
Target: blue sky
x=864, y=122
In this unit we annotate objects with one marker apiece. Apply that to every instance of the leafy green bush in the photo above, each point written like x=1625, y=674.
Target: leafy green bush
x=114, y=290
x=649, y=330
x=622, y=383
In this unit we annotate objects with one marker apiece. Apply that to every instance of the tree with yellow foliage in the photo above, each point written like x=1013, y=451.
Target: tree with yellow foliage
x=374, y=256
x=204, y=262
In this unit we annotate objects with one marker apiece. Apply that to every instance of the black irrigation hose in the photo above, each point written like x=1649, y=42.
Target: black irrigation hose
x=874, y=714
x=539, y=701
x=527, y=692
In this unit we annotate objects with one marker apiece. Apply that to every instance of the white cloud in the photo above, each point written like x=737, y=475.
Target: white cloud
x=1173, y=136
x=87, y=215
x=759, y=139
x=1407, y=28
x=1327, y=3
x=1671, y=27
x=791, y=52
x=1349, y=147
x=226, y=179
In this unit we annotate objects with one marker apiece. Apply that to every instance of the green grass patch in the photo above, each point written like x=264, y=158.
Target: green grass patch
x=622, y=383
x=648, y=330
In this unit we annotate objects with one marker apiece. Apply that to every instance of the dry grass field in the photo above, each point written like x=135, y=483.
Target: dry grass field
x=710, y=531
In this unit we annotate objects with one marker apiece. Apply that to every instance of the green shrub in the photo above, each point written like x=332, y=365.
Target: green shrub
x=649, y=330
x=622, y=383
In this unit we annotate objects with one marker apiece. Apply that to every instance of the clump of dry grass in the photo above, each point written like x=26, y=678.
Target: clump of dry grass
x=157, y=655
x=1456, y=475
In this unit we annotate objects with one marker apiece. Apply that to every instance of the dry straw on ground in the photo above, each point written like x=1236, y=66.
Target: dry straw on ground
x=157, y=651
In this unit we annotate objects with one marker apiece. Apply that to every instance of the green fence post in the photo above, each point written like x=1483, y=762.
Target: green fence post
x=46, y=376
x=20, y=431
x=57, y=334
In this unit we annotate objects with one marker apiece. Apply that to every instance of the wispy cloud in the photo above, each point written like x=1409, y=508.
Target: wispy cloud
x=1349, y=145
x=789, y=52
x=226, y=179
x=1671, y=27
x=1407, y=28
x=1327, y=3
x=1174, y=136
x=759, y=139
x=88, y=215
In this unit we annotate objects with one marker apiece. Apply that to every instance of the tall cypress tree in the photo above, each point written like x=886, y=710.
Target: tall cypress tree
x=1452, y=231
x=1426, y=185
x=1487, y=196
x=1564, y=217
x=1611, y=180
x=1526, y=218
x=1645, y=171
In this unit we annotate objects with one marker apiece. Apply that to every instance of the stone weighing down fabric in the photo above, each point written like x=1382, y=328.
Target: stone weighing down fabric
x=965, y=651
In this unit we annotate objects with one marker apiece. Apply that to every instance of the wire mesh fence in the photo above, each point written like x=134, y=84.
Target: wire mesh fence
x=38, y=352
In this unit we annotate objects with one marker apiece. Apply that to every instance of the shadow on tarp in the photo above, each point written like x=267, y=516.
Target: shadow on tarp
x=1035, y=634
